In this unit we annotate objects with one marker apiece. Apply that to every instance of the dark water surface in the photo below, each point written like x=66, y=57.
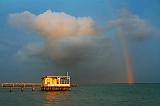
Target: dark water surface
x=97, y=95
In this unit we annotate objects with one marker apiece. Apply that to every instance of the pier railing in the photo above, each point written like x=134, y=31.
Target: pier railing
x=21, y=85
x=27, y=85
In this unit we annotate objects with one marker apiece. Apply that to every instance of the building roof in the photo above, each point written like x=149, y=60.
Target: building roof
x=53, y=76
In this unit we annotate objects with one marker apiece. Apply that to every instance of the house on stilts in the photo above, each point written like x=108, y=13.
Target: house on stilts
x=56, y=83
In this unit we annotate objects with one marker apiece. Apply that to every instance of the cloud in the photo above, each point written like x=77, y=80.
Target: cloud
x=131, y=26
x=54, y=25
x=71, y=44
x=81, y=56
x=31, y=52
x=74, y=44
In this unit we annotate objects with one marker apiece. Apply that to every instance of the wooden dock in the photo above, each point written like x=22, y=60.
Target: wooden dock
x=20, y=85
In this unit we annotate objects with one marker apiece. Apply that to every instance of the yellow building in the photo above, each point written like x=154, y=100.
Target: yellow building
x=55, y=83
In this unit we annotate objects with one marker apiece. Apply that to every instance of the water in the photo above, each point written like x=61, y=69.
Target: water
x=97, y=95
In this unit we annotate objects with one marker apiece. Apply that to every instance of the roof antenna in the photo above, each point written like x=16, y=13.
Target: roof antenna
x=67, y=74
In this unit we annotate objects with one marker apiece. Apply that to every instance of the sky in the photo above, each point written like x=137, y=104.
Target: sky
x=96, y=41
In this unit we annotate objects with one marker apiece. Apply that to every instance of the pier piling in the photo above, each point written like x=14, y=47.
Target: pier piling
x=21, y=89
x=33, y=89
x=10, y=89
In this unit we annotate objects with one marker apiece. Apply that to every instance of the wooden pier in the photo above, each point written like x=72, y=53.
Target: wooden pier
x=20, y=85
x=48, y=83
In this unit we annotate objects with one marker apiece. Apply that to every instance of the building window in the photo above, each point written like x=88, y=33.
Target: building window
x=48, y=81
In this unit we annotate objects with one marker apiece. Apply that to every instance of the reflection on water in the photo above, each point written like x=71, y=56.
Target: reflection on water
x=96, y=95
x=53, y=98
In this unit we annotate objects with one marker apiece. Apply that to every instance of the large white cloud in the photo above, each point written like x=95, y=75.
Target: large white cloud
x=54, y=24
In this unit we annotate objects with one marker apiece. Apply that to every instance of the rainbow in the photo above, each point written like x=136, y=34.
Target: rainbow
x=129, y=65
x=130, y=69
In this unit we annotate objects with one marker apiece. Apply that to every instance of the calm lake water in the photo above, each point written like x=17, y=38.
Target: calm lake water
x=97, y=95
